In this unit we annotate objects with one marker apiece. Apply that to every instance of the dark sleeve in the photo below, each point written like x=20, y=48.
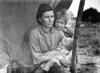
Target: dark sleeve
x=68, y=33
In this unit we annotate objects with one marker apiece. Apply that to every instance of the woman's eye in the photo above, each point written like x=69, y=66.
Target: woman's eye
x=52, y=16
x=46, y=16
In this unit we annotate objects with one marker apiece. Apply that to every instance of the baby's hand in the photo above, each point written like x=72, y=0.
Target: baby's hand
x=64, y=63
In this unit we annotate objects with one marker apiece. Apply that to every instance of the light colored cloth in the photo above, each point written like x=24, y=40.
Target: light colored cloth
x=57, y=52
x=4, y=59
x=4, y=69
x=51, y=63
x=40, y=44
x=61, y=54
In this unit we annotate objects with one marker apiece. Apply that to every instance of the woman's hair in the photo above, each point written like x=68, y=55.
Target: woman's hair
x=61, y=14
x=42, y=8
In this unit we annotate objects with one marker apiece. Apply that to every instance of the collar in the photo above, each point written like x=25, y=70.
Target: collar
x=51, y=30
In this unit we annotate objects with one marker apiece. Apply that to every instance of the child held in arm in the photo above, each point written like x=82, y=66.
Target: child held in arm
x=62, y=53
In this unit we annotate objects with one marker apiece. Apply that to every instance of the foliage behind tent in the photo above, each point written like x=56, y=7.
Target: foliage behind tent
x=91, y=15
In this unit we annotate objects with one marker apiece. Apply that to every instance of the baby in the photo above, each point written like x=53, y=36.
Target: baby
x=62, y=53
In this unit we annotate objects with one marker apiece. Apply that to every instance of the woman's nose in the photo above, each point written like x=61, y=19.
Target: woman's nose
x=50, y=19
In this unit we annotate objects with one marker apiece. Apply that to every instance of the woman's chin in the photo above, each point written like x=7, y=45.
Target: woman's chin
x=49, y=26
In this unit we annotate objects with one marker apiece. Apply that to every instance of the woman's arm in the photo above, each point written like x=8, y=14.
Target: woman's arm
x=38, y=57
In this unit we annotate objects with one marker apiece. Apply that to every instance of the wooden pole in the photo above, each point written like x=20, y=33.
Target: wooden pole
x=76, y=32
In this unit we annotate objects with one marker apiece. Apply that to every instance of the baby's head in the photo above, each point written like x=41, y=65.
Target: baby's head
x=67, y=43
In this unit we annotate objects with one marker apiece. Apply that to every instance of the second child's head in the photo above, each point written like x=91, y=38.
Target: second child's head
x=61, y=19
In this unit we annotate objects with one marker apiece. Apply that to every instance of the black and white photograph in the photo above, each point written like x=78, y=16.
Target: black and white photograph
x=49, y=36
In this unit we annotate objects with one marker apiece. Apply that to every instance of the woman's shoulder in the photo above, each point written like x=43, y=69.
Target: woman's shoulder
x=34, y=31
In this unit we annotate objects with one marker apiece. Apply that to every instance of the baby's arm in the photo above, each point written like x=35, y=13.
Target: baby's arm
x=49, y=54
x=52, y=54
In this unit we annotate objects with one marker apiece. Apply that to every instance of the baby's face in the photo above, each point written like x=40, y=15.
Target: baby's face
x=59, y=24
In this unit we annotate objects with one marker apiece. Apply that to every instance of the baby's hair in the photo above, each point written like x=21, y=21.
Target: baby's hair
x=67, y=43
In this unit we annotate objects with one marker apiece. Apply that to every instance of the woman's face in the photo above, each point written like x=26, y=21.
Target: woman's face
x=47, y=19
x=59, y=24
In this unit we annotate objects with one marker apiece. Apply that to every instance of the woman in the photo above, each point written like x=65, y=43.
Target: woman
x=44, y=38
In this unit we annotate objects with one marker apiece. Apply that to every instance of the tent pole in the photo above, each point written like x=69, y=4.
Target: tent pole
x=76, y=32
